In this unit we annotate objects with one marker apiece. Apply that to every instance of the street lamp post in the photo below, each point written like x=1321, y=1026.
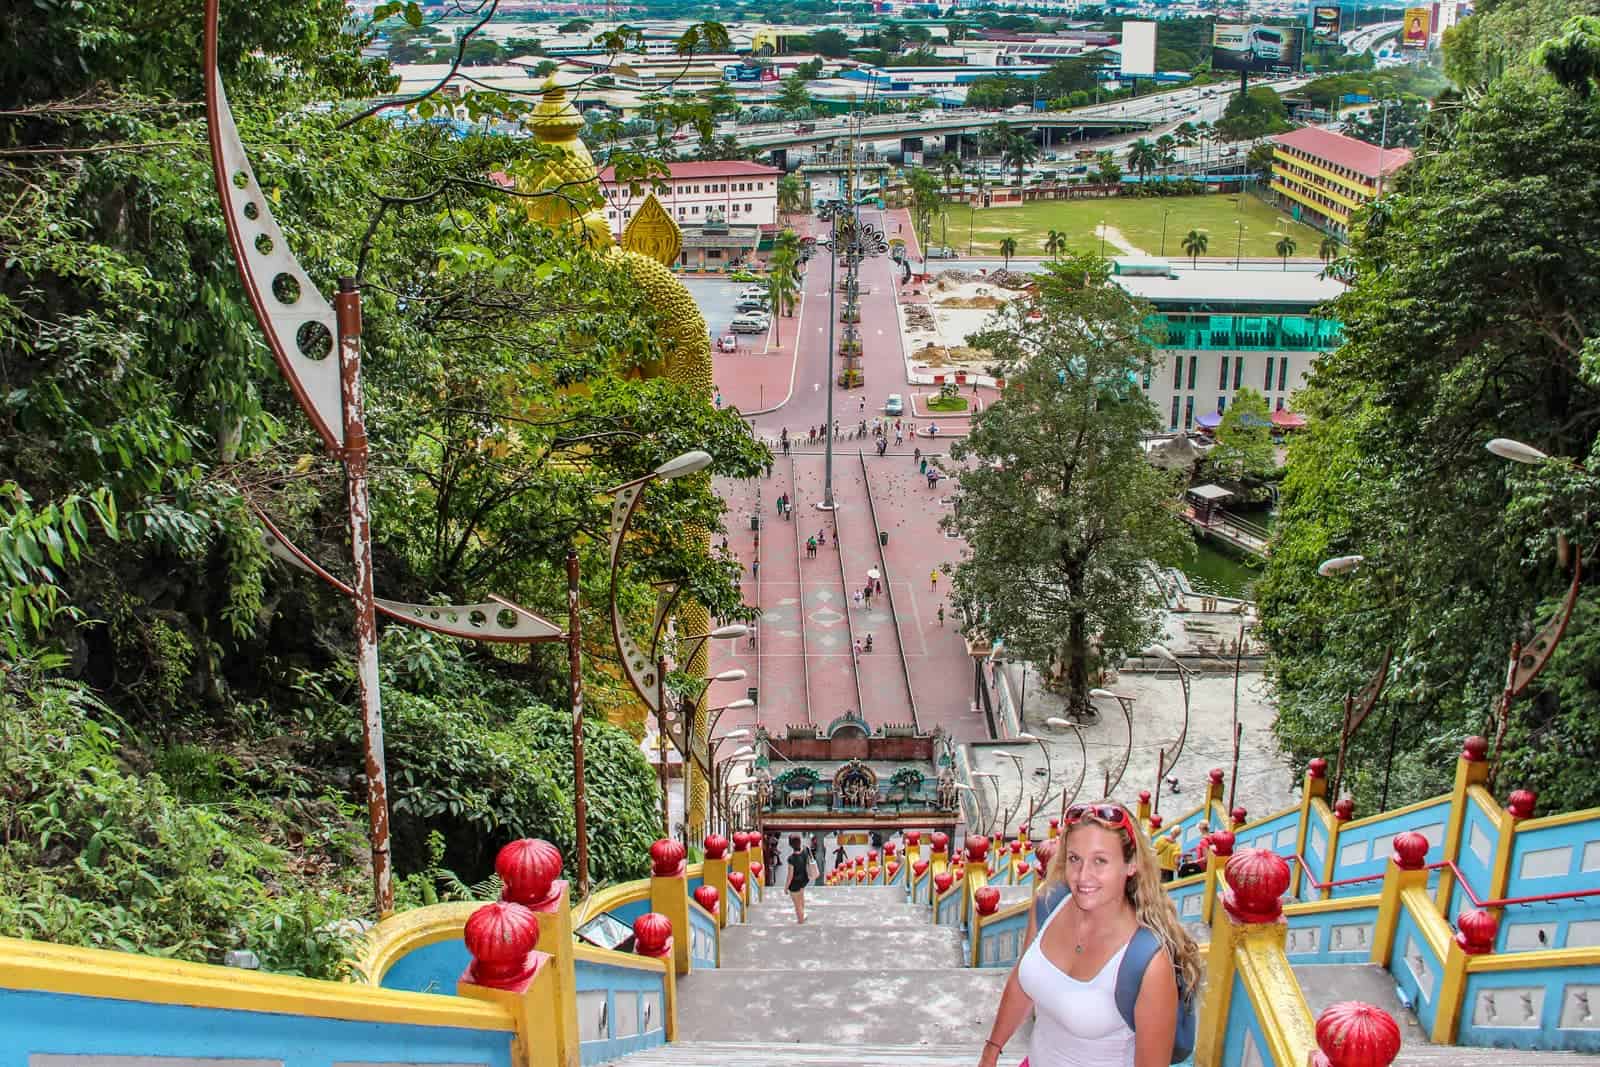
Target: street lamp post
x=1165, y=760
x=855, y=239
x=1238, y=252
x=1124, y=702
x=1059, y=723
x=1358, y=705
x=1164, y=213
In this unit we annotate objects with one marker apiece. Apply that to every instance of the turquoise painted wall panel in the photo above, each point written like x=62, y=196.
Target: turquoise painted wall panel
x=1417, y=971
x=1000, y=942
x=1331, y=937
x=702, y=939
x=620, y=1010
x=1365, y=849
x=35, y=1022
x=1543, y=1008
x=430, y=969
x=1243, y=1028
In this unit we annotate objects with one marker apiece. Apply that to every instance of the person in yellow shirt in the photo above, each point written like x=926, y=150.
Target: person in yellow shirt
x=1167, y=854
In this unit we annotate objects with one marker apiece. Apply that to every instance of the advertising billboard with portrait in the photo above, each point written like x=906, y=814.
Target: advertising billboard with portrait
x=1414, y=31
x=1325, y=23
x=1255, y=47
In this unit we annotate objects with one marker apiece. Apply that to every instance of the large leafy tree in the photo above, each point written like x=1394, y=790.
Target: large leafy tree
x=1244, y=449
x=1472, y=316
x=1060, y=509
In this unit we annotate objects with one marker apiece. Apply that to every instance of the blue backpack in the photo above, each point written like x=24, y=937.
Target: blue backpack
x=1130, y=972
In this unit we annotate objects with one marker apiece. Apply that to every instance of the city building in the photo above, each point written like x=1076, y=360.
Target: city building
x=1322, y=177
x=725, y=207
x=1224, y=330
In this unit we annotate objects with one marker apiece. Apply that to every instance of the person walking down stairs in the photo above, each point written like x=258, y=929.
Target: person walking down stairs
x=802, y=872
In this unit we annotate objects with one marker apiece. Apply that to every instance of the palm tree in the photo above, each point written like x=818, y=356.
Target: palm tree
x=949, y=170
x=1018, y=151
x=1285, y=249
x=783, y=282
x=1329, y=249
x=1194, y=243
x=1055, y=243
x=1008, y=248
x=1106, y=164
x=791, y=194
x=1187, y=134
x=1143, y=158
x=1166, y=149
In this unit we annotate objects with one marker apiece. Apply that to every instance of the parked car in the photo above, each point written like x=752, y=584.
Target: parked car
x=753, y=292
x=727, y=343
x=941, y=252
x=894, y=405
x=747, y=303
x=751, y=322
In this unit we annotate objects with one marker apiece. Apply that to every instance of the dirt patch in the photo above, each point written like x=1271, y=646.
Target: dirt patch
x=940, y=356
x=986, y=302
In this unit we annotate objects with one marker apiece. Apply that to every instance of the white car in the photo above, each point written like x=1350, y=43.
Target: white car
x=894, y=405
x=751, y=322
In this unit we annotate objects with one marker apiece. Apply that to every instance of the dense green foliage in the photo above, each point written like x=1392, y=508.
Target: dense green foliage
x=1252, y=114
x=193, y=689
x=1473, y=315
x=1059, y=506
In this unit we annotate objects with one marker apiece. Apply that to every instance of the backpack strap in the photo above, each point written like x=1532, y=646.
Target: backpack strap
x=1045, y=904
x=1130, y=973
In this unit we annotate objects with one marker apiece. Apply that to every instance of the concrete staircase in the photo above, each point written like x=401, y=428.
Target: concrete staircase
x=869, y=981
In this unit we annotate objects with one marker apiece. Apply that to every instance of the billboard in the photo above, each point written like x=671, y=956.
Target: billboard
x=1138, y=48
x=1253, y=46
x=1414, y=31
x=1325, y=23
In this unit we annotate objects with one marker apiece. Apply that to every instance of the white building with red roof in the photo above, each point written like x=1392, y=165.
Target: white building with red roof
x=1322, y=177
x=730, y=192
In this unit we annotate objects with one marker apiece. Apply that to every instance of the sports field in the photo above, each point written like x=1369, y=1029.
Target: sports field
x=1133, y=223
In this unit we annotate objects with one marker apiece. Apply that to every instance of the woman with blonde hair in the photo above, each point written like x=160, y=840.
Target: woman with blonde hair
x=1101, y=909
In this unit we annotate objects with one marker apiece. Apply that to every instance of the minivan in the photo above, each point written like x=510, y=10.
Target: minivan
x=753, y=322
x=751, y=303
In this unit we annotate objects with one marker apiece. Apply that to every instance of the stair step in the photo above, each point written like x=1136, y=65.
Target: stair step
x=769, y=1054
x=857, y=894
x=848, y=1007
x=1325, y=984
x=769, y=947
x=1461, y=1056
x=1014, y=894
x=898, y=916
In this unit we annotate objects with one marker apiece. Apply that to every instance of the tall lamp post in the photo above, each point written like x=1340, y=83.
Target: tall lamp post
x=1167, y=759
x=1358, y=705
x=1124, y=702
x=1083, y=752
x=855, y=240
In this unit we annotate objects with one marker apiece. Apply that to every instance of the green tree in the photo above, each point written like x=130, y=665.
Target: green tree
x=1055, y=243
x=831, y=43
x=575, y=26
x=1105, y=164
x=1067, y=76
x=1143, y=158
x=1328, y=249
x=1166, y=150
x=1244, y=451
x=1393, y=467
x=1008, y=248
x=926, y=200
x=1019, y=152
x=791, y=194
x=1059, y=546
x=1194, y=244
x=1285, y=248
x=792, y=94
x=1253, y=114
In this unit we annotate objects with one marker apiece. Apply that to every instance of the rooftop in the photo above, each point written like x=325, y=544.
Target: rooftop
x=1301, y=288
x=1342, y=151
x=715, y=168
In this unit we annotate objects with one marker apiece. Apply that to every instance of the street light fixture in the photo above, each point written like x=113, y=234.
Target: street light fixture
x=1124, y=702
x=1339, y=565
x=1083, y=752
x=1166, y=760
x=1516, y=451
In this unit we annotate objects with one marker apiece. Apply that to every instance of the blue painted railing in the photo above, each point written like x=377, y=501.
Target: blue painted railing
x=1537, y=1008
x=1329, y=936
x=702, y=937
x=621, y=1009
x=1418, y=971
x=1000, y=938
x=1364, y=845
x=947, y=912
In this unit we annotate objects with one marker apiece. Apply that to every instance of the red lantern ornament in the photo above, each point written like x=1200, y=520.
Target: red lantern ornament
x=716, y=846
x=1055, y=824
x=1344, y=809
x=666, y=858
x=528, y=868
x=707, y=897
x=1476, y=931
x=1317, y=768
x=739, y=839
x=1221, y=842
x=888, y=849
x=913, y=838
x=756, y=869
x=987, y=899
x=943, y=881
x=652, y=934
x=1352, y=1034
x=977, y=847
x=736, y=880
x=501, y=938
x=1475, y=750
x=1155, y=823
x=1016, y=848
x=1215, y=775
x=1257, y=880
x=872, y=872
x=1521, y=803
x=1239, y=816
x=940, y=840
x=1045, y=851
x=872, y=857
x=1144, y=798
x=1410, y=851
x=919, y=868
x=893, y=869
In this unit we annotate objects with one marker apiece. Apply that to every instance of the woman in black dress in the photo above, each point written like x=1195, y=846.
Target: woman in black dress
x=801, y=868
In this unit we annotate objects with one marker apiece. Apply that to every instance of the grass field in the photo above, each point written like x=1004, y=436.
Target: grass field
x=1138, y=219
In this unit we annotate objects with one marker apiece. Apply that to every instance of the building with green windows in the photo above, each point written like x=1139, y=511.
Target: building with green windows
x=1218, y=331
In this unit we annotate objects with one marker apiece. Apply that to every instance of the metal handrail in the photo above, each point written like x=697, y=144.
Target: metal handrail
x=1305, y=868
x=1505, y=902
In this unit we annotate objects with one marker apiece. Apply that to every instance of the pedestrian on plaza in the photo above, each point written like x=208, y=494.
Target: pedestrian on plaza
x=933, y=579
x=863, y=403
x=898, y=439
x=878, y=585
x=822, y=537
x=856, y=596
x=941, y=616
x=769, y=468
x=835, y=429
x=866, y=594
x=755, y=568
x=857, y=648
x=785, y=444
x=868, y=645
x=933, y=479
x=811, y=548
x=840, y=858
x=916, y=453
x=718, y=399
x=883, y=445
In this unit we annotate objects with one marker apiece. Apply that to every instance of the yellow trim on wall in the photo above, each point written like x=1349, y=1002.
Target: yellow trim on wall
x=610, y=898
x=1496, y=962
x=1489, y=806
x=1419, y=902
x=1249, y=826
x=405, y=932
x=1443, y=800
x=1294, y=194
x=1287, y=1028
x=1332, y=904
x=1567, y=819
x=88, y=972
x=1361, y=190
x=612, y=958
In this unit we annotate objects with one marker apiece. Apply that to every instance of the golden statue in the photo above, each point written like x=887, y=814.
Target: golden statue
x=650, y=246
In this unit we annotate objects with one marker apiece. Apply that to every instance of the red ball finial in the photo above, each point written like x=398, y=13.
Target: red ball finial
x=913, y=838
x=1521, y=803
x=894, y=869
x=888, y=849
x=1344, y=809
x=740, y=839
x=1222, y=842
x=1016, y=848
x=501, y=937
x=707, y=897
x=1317, y=768
x=666, y=858
x=919, y=868
x=940, y=841
x=1022, y=831
x=716, y=846
x=1352, y=1034
x=872, y=857
x=756, y=869
x=987, y=899
x=977, y=847
x=1475, y=749
x=943, y=881
x=736, y=879
x=652, y=934
x=1410, y=851
x=1144, y=796
x=1476, y=931
x=1239, y=815
x=1256, y=881
x=1045, y=850
x=1215, y=775
x=528, y=868
x=1155, y=823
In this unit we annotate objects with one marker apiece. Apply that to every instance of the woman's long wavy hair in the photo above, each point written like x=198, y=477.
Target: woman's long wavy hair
x=1152, y=907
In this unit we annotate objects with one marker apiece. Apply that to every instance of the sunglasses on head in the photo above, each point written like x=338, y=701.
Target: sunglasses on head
x=1113, y=816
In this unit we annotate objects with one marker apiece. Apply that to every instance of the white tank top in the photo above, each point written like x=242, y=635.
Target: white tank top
x=1076, y=1024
